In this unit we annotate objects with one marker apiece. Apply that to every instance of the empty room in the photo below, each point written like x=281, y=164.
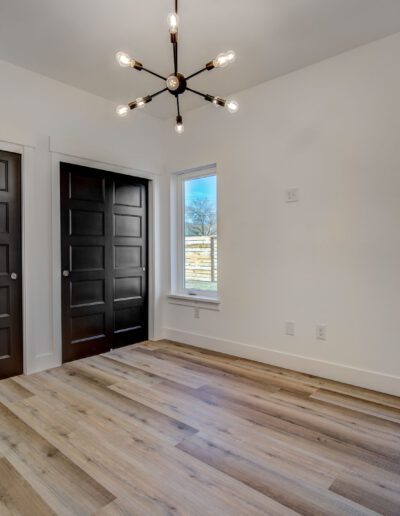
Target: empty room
x=199, y=257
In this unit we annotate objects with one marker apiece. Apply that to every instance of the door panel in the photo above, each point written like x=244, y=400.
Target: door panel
x=11, y=362
x=128, y=225
x=87, y=292
x=127, y=257
x=87, y=188
x=86, y=223
x=87, y=257
x=104, y=254
x=129, y=287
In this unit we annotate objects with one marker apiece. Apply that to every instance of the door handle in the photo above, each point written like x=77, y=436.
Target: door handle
x=65, y=274
x=14, y=276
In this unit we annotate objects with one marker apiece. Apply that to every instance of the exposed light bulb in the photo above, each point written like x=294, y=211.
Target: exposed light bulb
x=230, y=56
x=122, y=110
x=124, y=60
x=232, y=105
x=172, y=83
x=220, y=61
x=224, y=59
x=140, y=102
x=179, y=127
x=173, y=22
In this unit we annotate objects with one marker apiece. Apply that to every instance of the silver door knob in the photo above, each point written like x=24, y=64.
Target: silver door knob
x=14, y=275
x=144, y=269
x=65, y=274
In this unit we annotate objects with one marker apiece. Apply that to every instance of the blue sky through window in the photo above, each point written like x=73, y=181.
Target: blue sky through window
x=201, y=188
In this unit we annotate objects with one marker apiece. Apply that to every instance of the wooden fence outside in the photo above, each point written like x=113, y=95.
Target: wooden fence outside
x=201, y=256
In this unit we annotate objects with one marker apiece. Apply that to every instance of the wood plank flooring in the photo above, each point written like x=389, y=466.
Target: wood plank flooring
x=161, y=428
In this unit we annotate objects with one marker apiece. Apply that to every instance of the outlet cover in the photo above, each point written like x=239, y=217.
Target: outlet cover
x=321, y=332
x=290, y=328
x=292, y=195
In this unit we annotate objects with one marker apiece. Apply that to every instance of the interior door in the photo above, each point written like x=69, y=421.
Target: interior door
x=103, y=260
x=11, y=362
x=128, y=280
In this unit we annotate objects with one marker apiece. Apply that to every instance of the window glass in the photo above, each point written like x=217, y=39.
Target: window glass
x=200, y=234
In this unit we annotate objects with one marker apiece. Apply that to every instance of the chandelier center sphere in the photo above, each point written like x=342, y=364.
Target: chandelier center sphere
x=176, y=84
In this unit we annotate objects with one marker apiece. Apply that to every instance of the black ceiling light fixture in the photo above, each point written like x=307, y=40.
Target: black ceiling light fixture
x=176, y=83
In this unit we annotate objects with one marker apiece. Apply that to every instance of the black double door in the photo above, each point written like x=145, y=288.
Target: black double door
x=11, y=362
x=103, y=260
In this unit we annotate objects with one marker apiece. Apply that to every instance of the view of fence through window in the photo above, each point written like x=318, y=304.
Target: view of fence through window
x=201, y=233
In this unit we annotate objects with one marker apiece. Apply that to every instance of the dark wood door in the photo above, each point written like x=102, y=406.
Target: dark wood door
x=11, y=362
x=128, y=278
x=103, y=260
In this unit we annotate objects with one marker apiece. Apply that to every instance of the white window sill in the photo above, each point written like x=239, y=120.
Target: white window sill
x=207, y=303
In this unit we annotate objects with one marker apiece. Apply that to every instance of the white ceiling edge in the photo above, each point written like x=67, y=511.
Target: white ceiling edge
x=101, y=99
x=295, y=71
x=68, y=43
x=146, y=113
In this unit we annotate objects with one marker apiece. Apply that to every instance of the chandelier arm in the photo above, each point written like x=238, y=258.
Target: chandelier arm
x=176, y=57
x=154, y=73
x=174, y=41
x=204, y=95
x=158, y=93
x=178, y=106
x=197, y=73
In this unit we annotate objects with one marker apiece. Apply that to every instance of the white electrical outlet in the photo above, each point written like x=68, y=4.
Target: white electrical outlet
x=321, y=332
x=292, y=195
x=197, y=312
x=289, y=328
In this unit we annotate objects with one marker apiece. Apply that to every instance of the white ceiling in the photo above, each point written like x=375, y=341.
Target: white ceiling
x=75, y=41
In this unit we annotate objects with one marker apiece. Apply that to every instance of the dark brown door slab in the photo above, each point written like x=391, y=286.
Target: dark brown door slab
x=103, y=259
x=11, y=362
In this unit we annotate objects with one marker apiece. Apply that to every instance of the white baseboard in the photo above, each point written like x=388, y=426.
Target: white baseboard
x=330, y=370
x=42, y=363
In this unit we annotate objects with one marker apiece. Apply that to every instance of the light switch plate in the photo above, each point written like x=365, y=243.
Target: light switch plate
x=290, y=328
x=292, y=195
x=321, y=332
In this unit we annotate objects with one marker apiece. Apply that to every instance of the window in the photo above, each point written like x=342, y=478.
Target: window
x=196, y=260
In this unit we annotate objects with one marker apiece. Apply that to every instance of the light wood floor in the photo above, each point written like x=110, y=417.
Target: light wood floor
x=161, y=429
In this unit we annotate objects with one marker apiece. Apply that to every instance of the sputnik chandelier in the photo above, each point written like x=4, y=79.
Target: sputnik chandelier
x=176, y=83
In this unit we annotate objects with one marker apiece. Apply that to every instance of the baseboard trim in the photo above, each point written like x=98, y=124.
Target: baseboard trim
x=341, y=373
x=42, y=363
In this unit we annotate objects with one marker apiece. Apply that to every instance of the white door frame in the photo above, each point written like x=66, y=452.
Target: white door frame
x=27, y=153
x=154, y=266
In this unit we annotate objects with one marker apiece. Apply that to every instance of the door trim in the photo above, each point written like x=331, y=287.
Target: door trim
x=27, y=153
x=154, y=322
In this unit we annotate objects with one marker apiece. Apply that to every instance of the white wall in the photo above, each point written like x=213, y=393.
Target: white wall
x=32, y=109
x=333, y=131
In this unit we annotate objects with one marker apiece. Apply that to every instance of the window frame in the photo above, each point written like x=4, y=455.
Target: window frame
x=178, y=233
